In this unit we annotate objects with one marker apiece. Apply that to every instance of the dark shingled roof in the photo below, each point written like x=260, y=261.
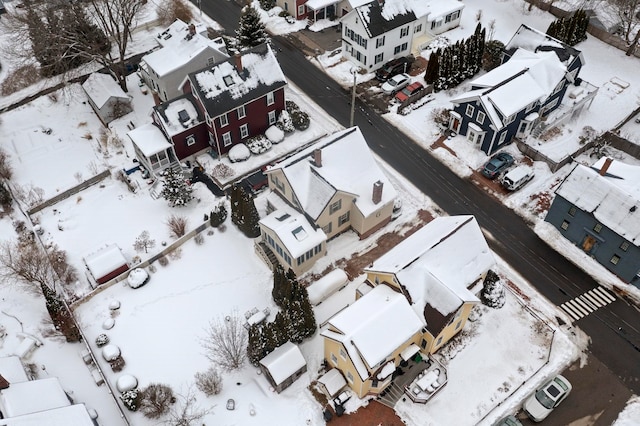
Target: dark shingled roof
x=376, y=24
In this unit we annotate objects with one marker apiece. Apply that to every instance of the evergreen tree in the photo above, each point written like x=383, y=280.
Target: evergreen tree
x=5, y=196
x=218, y=215
x=251, y=32
x=308, y=317
x=431, y=74
x=237, y=215
x=492, y=54
x=60, y=315
x=279, y=279
x=175, y=189
x=255, y=345
x=251, y=224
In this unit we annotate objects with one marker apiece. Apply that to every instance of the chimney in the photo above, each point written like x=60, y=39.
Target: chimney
x=605, y=166
x=192, y=29
x=156, y=97
x=317, y=157
x=377, y=192
x=238, y=62
x=4, y=383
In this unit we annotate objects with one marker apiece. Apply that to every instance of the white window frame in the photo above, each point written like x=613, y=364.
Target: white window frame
x=469, y=111
x=380, y=42
x=244, y=131
x=242, y=113
x=301, y=9
x=224, y=120
x=417, y=28
x=349, y=377
x=343, y=354
x=226, y=139
x=271, y=116
x=404, y=31
x=190, y=140
x=481, y=117
x=378, y=58
x=334, y=359
x=270, y=98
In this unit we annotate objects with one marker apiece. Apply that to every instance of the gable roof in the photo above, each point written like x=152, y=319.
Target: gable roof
x=105, y=261
x=149, y=139
x=374, y=326
x=12, y=369
x=437, y=263
x=613, y=199
x=534, y=40
x=347, y=165
x=102, y=87
x=179, y=46
x=378, y=19
x=18, y=399
x=75, y=415
x=283, y=362
x=179, y=114
x=223, y=87
x=533, y=76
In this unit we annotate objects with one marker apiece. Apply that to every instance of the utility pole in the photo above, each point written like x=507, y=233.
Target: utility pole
x=354, y=71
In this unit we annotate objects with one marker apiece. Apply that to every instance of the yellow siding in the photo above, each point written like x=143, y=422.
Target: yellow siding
x=298, y=269
x=376, y=277
x=365, y=224
x=326, y=217
x=279, y=184
x=449, y=331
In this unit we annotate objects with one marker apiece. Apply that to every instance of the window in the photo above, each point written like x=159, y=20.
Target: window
x=327, y=228
x=615, y=259
x=343, y=219
x=349, y=377
x=565, y=225
x=379, y=58
x=380, y=42
x=404, y=31
x=224, y=120
x=572, y=211
x=439, y=341
x=244, y=131
x=300, y=260
x=423, y=344
x=509, y=119
x=335, y=207
x=624, y=246
x=210, y=61
x=206, y=117
x=191, y=140
x=481, y=117
x=241, y=112
x=317, y=249
x=396, y=50
x=597, y=228
x=301, y=9
x=403, y=46
x=226, y=139
x=436, y=24
x=334, y=359
x=417, y=29
x=270, y=98
x=343, y=354
x=469, y=111
x=503, y=136
x=458, y=324
x=271, y=117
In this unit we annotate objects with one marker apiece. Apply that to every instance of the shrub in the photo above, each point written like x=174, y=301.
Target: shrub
x=258, y=144
x=155, y=400
x=5, y=196
x=218, y=215
x=291, y=106
x=284, y=122
x=440, y=116
x=102, y=340
x=174, y=9
x=222, y=170
x=131, y=399
x=267, y=4
x=19, y=79
x=492, y=294
x=300, y=120
x=209, y=382
x=199, y=239
x=177, y=225
x=163, y=261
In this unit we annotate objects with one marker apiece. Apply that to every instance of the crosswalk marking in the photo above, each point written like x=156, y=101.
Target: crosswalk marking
x=586, y=303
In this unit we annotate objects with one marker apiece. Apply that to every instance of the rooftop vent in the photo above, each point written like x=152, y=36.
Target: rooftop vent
x=283, y=217
x=633, y=209
x=183, y=116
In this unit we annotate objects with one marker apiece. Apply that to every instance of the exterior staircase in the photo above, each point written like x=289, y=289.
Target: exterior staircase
x=266, y=254
x=538, y=130
x=392, y=395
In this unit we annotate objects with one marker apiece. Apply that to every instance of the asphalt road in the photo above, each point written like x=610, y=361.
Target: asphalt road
x=613, y=329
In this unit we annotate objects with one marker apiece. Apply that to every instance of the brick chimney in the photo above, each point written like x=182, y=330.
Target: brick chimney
x=192, y=29
x=4, y=383
x=238, y=58
x=605, y=166
x=377, y=192
x=156, y=97
x=317, y=157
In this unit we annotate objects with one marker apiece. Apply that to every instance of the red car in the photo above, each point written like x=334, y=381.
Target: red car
x=404, y=94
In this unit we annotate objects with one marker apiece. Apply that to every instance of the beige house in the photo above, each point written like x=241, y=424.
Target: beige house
x=335, y=185
x=433, y=272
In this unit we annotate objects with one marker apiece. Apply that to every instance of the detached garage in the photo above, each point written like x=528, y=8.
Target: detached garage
x=106, y=264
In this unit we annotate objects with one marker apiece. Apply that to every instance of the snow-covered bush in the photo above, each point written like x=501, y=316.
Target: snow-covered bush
x=239, y=152
x=222, y=170
x=209, y=382
x=155, y=400
x=137, y=278
x=110, y=352
x=258, y=144
x=284, y=122
x=163, y=261
x=300, y=120
x=131, y=399
x=274, y=134
x=492, y=294
x=102, y=340
x=198, y=239
x=218, y=215
x=126, y=382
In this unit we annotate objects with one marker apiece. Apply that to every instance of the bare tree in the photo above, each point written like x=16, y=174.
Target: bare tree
x=225, y=343
x=6, y=172
x=186, y=412
x=209, y=382
x=156, y=400
x=26, y=263
x=626, y=11
x=144, y=242
x=171, y=10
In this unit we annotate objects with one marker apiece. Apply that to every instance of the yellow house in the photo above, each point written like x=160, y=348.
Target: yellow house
x=436, y=268
x=336, y=185
x=366, y=340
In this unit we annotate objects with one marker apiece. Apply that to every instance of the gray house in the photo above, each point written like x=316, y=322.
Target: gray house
x=283, y=366
x=106, y=97
x=596, y=208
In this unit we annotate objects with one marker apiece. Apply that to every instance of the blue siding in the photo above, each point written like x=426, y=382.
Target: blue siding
x=607, y=243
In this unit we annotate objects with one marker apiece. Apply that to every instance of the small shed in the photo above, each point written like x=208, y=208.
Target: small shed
x=326, y=286
x=18, y=399
x=332, y=382
x=106, y=97
x=283, y=366
x=106, y=263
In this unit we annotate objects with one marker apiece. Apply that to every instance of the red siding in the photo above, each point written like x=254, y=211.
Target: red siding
x=103, y=279
x=202, y=141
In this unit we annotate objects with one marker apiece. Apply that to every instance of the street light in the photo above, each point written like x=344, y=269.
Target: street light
x=200, y=6
x=354, y=71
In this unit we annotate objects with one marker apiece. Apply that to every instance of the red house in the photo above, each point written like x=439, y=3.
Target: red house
x=238, y=98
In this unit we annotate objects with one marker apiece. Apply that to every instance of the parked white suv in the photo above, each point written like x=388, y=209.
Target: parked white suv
x=539, y=405
x=515, y=179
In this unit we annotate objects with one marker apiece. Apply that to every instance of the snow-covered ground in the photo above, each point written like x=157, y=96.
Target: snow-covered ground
x=160, y=325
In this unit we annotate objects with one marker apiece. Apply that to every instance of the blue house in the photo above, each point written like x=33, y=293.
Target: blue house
x=598, y=209
x=512, y=100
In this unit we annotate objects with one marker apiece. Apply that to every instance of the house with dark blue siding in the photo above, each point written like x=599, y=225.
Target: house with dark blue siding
x=513, y=99
x=598, y=209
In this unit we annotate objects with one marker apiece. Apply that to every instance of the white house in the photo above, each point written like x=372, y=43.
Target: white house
x=106, y=97
x=376, y=32
x=185, y=48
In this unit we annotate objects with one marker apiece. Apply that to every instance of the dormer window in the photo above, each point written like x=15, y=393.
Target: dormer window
x=228, y=80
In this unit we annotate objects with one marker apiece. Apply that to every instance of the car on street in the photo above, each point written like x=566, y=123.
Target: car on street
x=411, y=89
x=497, y=164
x=396, y=83
x=393, y=67
x=539, y=405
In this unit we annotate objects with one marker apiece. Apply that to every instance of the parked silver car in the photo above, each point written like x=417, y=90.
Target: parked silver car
x=539, y=405
x=396, y=83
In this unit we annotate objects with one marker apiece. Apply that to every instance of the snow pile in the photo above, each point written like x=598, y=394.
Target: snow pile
x=137, y=278
x=239, y=152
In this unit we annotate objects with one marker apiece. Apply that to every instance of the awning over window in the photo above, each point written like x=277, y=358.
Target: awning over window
x=410, y=351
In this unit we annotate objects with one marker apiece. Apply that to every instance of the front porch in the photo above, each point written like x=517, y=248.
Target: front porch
x=321, y=9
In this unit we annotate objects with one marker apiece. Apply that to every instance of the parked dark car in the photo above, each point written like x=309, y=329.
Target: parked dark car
x=393, y=67
x=498, y=163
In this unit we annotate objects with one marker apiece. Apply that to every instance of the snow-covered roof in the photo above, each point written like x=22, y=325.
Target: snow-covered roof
x=333, y=381
x=76, y=415
x=319, y=4
x=224, y=86
x=525, y=78
x=179, y=114
x=179, y=46
x=19, y=398
x=378, y=19
x=12, y=370
x=613, y=199
x=325, y=286
x=102, y=87
x=292, y=228
x=149, y=139
x=533, y=40
x=347, y=166
x=441, y=8
x=284, y=361
x=105, y=261
x=437, y=263
x=374, y=326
